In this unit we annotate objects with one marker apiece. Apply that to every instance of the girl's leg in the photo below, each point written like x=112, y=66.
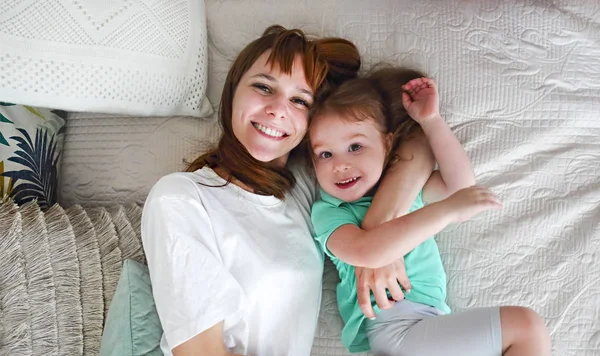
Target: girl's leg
x=474, y=332
x=386, y=333
x=523, y=332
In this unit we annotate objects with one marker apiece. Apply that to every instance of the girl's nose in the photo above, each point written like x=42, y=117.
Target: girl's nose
x=341, y=165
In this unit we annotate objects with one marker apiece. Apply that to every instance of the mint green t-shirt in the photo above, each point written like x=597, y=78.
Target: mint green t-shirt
x=423, y=266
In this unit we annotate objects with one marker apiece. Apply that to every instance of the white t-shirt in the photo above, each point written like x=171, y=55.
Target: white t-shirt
x=226, y=254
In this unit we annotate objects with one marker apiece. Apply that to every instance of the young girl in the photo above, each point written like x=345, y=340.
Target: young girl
x=352, y=133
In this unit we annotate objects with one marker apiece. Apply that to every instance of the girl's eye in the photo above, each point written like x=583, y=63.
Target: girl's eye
x=325, y=155
x=301, y=102
x=354, y=147
x=262, y=87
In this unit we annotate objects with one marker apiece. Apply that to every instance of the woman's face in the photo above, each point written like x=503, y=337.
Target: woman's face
x=270, y=110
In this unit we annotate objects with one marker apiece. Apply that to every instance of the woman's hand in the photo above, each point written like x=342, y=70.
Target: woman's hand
x=378, y=280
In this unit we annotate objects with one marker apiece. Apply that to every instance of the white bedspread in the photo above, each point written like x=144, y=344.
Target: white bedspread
x=520, y=86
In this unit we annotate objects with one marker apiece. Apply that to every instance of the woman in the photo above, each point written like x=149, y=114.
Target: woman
x=229, y=244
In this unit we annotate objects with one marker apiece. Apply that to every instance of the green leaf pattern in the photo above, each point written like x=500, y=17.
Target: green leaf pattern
x=5, y=120
x=35, y=112
x=35, y=175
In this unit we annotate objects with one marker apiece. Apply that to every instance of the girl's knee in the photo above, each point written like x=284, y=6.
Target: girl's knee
x=522, y=322
x=532, y=320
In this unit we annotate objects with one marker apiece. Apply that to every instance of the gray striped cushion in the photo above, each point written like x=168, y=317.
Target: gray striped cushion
x=58, y=273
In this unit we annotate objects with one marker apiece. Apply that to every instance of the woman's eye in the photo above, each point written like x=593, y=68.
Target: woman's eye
x=262, y=87
x=325, y=155
x=355, y=147
x=301, y=102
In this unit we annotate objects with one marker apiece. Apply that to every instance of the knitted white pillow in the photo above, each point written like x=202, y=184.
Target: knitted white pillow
x=132, y=57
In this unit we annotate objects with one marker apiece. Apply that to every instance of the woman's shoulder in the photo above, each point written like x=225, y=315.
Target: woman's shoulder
x=306, y=181
x=301, y=169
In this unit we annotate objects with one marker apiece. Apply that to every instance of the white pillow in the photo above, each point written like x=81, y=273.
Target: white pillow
x=132, y=57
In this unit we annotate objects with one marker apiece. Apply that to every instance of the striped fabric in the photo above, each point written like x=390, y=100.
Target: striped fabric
x=58, y=273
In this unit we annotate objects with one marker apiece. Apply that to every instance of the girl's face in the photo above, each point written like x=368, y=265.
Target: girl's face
x=349, y=156
x=270, y=110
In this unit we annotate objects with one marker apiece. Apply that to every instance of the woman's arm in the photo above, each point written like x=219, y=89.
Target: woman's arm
x=395, y=195
x=402, y=182
x=192, y=289
x=207, y=343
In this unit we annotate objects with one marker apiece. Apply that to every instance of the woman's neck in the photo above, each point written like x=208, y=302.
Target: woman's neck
x=281, y=161
x=223, y=173
x=227, y=175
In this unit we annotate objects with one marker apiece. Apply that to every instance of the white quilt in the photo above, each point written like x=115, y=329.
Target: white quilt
x=520, y=86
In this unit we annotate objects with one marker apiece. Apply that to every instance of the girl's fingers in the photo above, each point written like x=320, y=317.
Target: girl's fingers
x=406, y=100
x=495, y=205
x=430, y=82
x=491, y=198
x=413, y=82
x=414, y=86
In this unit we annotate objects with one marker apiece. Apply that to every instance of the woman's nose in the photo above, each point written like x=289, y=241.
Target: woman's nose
x=276, y=107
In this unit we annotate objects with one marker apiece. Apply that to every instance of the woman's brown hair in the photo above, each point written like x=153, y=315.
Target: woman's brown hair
x=378, y=97
x=327, y=63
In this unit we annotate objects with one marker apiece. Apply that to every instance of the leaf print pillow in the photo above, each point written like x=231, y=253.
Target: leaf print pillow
x=31, y=144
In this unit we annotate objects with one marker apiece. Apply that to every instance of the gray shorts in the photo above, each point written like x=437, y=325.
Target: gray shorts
x=411, y=328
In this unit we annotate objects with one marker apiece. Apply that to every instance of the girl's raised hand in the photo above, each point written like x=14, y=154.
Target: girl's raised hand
x=469, y=202
x=421, y=99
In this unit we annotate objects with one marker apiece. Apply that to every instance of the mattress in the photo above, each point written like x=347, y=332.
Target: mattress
x=520, y=86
